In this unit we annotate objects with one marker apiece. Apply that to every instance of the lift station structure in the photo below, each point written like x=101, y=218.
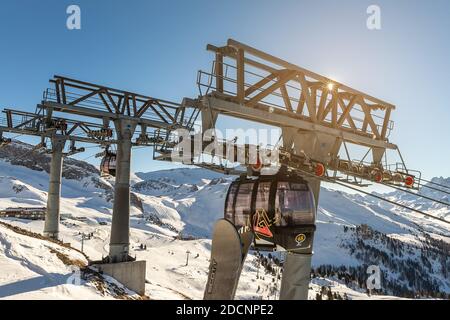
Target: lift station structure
x=319, y=119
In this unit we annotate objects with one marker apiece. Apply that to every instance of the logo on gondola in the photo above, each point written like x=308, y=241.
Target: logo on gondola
x=261, y=224
x=300, y=238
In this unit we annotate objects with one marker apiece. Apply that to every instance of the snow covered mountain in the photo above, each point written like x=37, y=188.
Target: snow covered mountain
x=173, y=211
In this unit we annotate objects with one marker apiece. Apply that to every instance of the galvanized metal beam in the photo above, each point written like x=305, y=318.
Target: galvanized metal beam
x=264, y=115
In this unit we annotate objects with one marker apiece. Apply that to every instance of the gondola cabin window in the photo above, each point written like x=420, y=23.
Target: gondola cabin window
x=230, y=202
x=242, y=208
x=293, y=205
x=262, y=196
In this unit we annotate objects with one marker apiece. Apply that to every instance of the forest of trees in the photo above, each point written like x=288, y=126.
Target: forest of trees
x=407, y=270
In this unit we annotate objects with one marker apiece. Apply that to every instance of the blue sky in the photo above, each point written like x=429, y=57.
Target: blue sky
x=156, y=47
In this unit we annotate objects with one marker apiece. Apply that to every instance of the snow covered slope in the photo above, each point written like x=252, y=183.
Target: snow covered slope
x=173, y=212
x=35, y=268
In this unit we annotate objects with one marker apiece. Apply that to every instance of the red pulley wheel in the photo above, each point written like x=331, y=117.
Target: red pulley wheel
x=409, y=181
x=320, y=170
x=378, y=176
x=257, y=166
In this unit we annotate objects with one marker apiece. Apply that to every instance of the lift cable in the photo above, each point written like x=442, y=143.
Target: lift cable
x=416, y=194
x=437, y=184
x=390, y=201
x=326, y=179
x=88, y=157
x=20, y=157
x=436, y=189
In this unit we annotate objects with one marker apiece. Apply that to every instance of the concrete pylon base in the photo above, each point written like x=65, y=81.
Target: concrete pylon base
x=52, y=235
x=131, y=274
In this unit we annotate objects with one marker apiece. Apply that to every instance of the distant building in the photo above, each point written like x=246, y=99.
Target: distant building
x=34, y=213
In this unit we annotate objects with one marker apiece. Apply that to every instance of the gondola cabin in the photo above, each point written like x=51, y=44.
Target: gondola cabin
x=108, y=164
x=279, y=209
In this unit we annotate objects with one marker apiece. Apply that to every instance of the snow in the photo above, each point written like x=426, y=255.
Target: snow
x=31, y=269
x=186, y=201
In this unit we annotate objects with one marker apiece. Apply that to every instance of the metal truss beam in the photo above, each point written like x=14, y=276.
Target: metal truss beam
x=295, y=92
x=40, y=125
x=92, y=100
x=266, y=115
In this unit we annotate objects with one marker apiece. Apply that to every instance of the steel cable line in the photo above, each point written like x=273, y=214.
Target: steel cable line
x=25, y=153
x=417, y=195
x=392, y=202
x=326, y=179
x=437, y=184
x=88, y=157
x=433, y=188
